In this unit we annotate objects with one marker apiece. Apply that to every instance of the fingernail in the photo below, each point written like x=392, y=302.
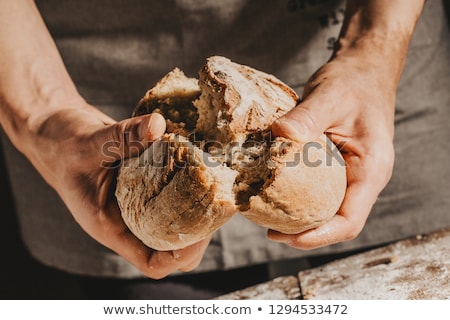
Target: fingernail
x=152, y=127
x=296, y=133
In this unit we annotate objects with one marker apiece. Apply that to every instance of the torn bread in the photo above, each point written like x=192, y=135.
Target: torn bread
x=219, y=158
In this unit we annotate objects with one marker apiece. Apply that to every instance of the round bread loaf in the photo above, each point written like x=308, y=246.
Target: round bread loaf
x=219, y=158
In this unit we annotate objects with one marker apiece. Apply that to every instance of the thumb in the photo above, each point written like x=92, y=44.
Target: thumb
x=305, y=123
x=129, y=137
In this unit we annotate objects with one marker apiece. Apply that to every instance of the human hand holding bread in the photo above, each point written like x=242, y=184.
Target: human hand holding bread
x=352, y=99
x=360, y=120
x=301, y=205
x=220, y=158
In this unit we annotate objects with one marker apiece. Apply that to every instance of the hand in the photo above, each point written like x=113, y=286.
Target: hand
x=352, y=100
x=354, y=106
x=76, y=150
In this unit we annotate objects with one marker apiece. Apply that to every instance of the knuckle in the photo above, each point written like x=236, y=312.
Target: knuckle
x=380, y=160
x=160, y=265
x=386, y=158
x=309, y=119
x=354, y=229
x=156, y=275
x=115, y=135
x=352, y=233
x=386, y=165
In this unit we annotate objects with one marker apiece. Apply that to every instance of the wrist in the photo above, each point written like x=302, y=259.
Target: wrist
x=376, y=35
x=383, y=58
x=24, y=111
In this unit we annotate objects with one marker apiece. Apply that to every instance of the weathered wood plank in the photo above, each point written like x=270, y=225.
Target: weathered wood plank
x=417, y=268
x=282, y=288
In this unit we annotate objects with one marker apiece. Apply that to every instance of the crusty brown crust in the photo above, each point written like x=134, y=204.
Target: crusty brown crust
x=169, y=199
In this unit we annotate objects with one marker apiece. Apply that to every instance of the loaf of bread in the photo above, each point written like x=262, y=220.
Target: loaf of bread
x=219, y=158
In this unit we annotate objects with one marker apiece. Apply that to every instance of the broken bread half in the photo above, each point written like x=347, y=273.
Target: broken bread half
x=218, y=158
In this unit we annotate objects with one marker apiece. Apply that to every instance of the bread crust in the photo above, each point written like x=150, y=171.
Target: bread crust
x=169, y=199
x=240, y=100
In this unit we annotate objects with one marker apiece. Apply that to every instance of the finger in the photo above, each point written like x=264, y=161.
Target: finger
x=115, y=235
x=152, y=127
x=129, y=137
x=344, y=226
x=305, y=123
x=155, y=264
x=366, y=178
x=196, y=252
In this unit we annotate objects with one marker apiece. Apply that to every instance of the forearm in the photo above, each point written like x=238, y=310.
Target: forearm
x=33, y=79
x=378, y=32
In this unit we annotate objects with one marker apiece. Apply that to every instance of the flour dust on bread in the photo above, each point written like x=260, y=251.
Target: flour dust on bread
x=219, y=158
